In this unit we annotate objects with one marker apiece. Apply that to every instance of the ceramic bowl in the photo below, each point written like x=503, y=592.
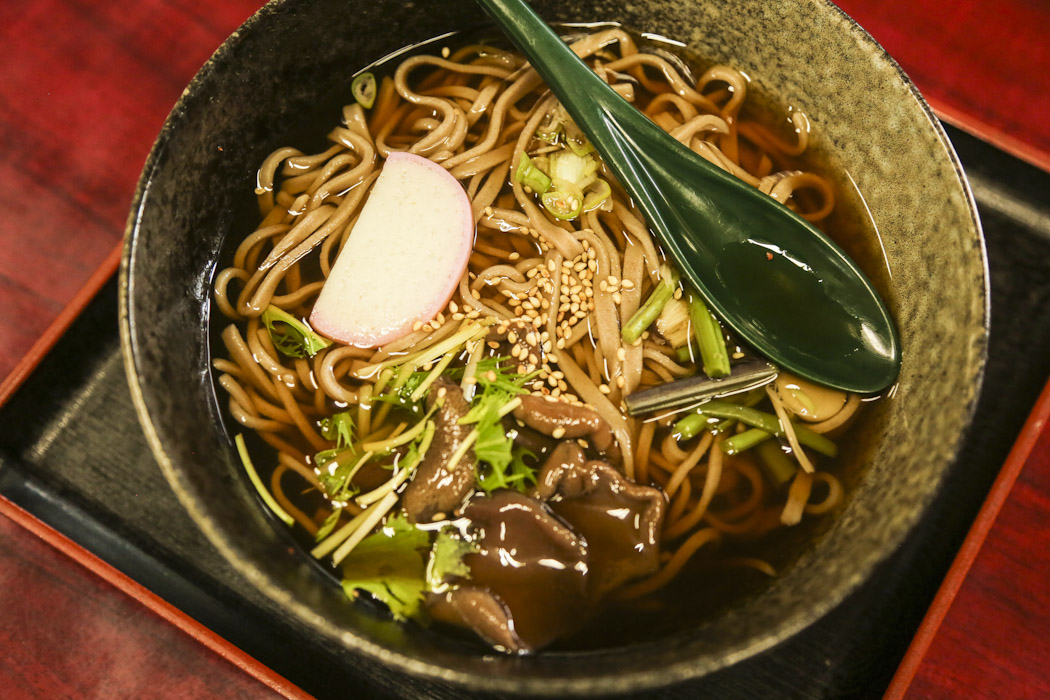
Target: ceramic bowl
x=868, y=118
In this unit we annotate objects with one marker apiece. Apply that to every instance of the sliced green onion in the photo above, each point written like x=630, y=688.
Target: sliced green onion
x=769, y=423
x=363, y=88
x=531, y=176
x=745, y=441
x=597, y=196
x=253, y=475
x=709, y=337
x=646, y=315
x=576, y=139
x=565, y=204
x=568, y=168
x=778, y=467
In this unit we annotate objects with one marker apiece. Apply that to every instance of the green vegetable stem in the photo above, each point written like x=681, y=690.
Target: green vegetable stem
x=646, y=315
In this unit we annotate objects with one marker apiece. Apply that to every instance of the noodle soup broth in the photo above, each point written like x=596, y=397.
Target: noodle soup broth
x=535, y=333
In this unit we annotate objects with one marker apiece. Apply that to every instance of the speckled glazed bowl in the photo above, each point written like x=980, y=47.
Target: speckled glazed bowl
x=808, y=54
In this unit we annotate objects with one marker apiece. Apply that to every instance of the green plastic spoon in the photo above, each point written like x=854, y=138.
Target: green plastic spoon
x=780, y=283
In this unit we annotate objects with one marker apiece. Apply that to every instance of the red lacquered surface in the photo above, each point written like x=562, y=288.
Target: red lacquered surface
x=85, y=89
x=83, y=630
x=983, y=65
x=986, y=633
x=86, y=86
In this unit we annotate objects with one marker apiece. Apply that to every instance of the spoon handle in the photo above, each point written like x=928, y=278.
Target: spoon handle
x=569, y=78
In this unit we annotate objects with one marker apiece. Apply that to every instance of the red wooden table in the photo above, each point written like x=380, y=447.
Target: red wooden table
x=86, y=86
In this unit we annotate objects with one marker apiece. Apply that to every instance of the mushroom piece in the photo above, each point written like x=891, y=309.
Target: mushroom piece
x=561, y=419
x=810, y=402
x=480, y=610
x=435, y=489
x=528, y=577
x=619, y=519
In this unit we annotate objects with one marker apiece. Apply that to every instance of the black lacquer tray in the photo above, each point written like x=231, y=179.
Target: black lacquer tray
x=72, y=453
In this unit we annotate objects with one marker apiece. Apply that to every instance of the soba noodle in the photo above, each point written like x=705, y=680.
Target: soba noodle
x=555, y=292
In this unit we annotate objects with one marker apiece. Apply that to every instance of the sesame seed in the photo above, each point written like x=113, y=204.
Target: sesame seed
x=475, y=293
x=493, y=344
x=611, y=279
x=620, y=382
x=627, y=284
x=551, y=266
x=678, y=293
x=417, y=325
x=558, y=433
x=617, y=298
x=621, y=354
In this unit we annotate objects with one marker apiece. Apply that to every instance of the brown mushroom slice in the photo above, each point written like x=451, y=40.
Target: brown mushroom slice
x=619, y=519
x=532, y=564
x=810, y=402
x=435, y=489
x=479, y=610
x=561, y=419
x=563, y=465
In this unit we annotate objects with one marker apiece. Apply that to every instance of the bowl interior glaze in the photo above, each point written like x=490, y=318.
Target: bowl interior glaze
x=256, y=89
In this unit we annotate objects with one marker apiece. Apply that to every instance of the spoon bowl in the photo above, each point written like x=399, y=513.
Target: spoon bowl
x=786, y=288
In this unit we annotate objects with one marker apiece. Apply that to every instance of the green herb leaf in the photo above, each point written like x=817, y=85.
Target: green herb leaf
x=517, y=474
x=335, y=480
x=338, y=427
x=328, y=525
x=494, y=446
x=446, y=559
x=390, y=566
x=292, y=336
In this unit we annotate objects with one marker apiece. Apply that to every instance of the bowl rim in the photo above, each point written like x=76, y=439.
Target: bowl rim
x=622, y=682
